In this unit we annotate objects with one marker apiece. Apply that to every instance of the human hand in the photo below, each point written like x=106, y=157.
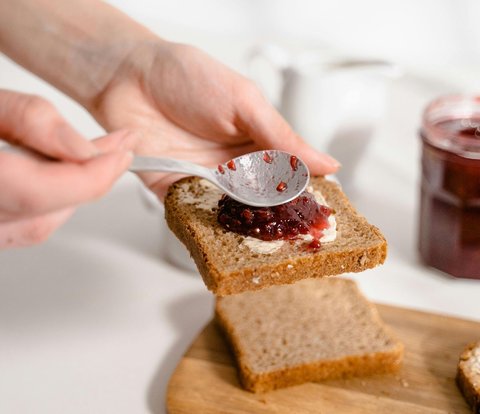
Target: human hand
x=189, y=106
x=186, y=104
x=40, y=190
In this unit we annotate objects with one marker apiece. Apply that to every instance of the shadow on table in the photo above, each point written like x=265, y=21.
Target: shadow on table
x=188, y=316
x=55, y=287
x=121, y=219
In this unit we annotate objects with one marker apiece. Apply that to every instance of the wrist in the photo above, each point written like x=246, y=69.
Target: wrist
x=102, y=56
x=130, y=72
x=75, y=46
x=107, y=62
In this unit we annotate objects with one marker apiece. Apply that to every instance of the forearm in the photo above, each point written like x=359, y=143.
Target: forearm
x=75, y=45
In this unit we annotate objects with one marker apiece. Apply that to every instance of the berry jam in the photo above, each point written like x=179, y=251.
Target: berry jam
x=231, y=165
x=267, y=157
x=294, y=162
x=303, y=215
x=449, y=232
x=281, y=187
x=221, y=170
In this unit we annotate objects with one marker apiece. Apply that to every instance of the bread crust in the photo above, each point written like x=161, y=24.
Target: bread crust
x=366, y=248
x=465, y=377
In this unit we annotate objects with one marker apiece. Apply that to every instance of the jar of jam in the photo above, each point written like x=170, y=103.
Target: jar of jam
x=449, y=230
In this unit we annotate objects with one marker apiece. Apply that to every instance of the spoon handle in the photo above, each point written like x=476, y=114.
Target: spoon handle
x=169, y=165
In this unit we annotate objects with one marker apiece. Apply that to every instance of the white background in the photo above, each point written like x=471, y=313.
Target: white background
x=95, y=320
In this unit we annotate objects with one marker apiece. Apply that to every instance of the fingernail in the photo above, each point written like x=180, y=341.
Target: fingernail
x=75, y=145
x=85, y=151
x=95, y=152
x=127, y=158
x=332, y=161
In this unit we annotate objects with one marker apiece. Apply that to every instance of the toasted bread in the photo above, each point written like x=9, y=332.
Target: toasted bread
x=228, y=265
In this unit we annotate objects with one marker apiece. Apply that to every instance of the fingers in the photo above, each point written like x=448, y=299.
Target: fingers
x=122, y=140
x=33, y=122
x=35, y=191
x=33, y=187
x=264, y=125
x=27, y=232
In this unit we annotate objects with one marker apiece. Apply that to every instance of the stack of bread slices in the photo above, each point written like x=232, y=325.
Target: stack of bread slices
x=286, y=319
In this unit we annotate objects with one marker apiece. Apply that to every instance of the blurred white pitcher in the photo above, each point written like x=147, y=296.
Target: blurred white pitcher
x=334, y=103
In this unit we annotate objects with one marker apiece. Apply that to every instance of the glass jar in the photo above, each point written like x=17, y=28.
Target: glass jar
x=449, y=228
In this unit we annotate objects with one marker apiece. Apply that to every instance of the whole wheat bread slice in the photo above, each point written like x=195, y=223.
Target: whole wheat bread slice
x=313, y=330
x=468, y=376
x=228, y=266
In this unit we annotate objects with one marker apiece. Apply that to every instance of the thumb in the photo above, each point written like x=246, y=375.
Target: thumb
x=266, y=127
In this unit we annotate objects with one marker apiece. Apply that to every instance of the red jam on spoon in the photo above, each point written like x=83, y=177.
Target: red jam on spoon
x=294, y=162
x=282, y=186
x=231, y=165
x=267, y=157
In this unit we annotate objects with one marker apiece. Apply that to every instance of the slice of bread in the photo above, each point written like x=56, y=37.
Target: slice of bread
x=313, y=330
x=228, y=265
x=468, y=376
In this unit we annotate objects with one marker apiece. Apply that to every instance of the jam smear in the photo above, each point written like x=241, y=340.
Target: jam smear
x=303, y=215
x=221, y=170
x=231, y=165
x=294, y=162
x=267, y=157
x=315, y=244
x=281, y=187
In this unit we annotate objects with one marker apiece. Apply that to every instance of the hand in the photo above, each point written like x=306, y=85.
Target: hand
x=191, y=107
x=186, y=104
x=39, y=191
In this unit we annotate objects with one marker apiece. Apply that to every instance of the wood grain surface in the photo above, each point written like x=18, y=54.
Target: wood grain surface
x=205, y=380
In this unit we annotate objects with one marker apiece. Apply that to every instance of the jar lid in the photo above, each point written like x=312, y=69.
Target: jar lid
x=452, y=123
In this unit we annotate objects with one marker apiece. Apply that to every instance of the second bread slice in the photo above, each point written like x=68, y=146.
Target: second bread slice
x=228, y=265
x=310, y=331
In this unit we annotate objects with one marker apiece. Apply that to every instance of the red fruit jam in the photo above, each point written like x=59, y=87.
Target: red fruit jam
x=449, y=231
x=302, y=215
x=315, y=244
x=281, y=186
x=231, y=165
x=294, y=162
x=221, y=170
x=267, y=157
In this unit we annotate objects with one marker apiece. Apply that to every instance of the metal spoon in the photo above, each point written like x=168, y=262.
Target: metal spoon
x=259, y=179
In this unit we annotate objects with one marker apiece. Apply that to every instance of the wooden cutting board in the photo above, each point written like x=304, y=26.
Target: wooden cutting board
x=205, y=380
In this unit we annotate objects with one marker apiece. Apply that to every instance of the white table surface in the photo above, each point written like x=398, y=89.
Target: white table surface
x=95, y=319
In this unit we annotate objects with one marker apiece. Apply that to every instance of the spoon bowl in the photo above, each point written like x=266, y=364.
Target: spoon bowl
x=260, y=179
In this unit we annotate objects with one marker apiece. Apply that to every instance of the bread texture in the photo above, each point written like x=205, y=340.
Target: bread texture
x=313, y=330
x=468, y=375
x=228, y=265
